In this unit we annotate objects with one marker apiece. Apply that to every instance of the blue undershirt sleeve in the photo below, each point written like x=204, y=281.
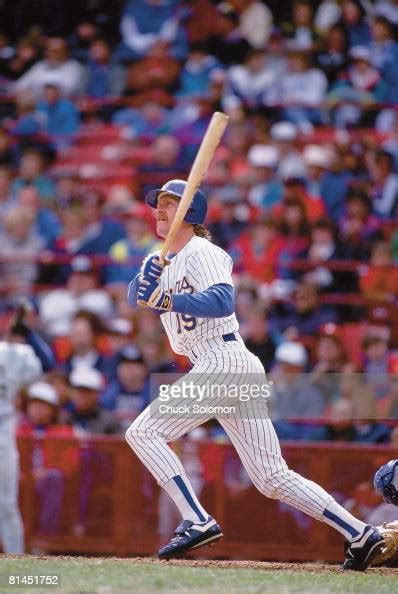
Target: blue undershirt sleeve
x=42, y=350
x=215, y=302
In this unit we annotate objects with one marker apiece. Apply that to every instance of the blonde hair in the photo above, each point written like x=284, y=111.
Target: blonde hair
x=202, y=231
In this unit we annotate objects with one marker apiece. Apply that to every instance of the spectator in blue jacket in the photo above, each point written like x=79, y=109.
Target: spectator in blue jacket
x=32, y=172
x=353, y=19
x=61, y=115
x=104, y=77
x=195, y=77
x=144, y=22
x=324, y=178
x=29, y=120
x=305, y=316
x=384, y=51
x=47, y=223
x=149, y=121
x=360, y=86
x=384, y=191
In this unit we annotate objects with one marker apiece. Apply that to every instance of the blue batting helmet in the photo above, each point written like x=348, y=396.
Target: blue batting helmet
x=196, y=212
x=386, y=483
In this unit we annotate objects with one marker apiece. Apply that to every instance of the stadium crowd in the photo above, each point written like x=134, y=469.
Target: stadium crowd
x=106, y=101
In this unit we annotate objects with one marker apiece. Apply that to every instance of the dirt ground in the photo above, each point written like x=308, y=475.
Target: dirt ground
x=263, y=565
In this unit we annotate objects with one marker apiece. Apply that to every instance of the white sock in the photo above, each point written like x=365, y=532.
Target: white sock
x=180, y=490
x=339, y=518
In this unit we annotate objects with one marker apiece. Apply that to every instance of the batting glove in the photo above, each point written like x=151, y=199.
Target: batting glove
x=150, y=294
x=152, y=267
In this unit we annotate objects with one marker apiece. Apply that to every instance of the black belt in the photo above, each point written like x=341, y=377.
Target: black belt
x=229, y=337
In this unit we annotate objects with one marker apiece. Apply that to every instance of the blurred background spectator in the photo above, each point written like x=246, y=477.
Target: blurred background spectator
x=56, y=68
x=128, y=394
x=294, y=397
x=85, y=414
x=50, y=467
x=84, y=332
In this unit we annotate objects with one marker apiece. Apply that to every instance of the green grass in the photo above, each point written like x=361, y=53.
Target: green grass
x=121, y=576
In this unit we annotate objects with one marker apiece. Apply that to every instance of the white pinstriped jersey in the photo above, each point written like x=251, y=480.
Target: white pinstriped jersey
x=18, y=366
x=198, y=266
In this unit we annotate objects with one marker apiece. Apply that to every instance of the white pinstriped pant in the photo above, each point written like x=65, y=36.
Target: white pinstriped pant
x=254, y=438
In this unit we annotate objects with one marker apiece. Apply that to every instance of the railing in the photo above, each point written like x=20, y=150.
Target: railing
x=49, y=257
x=107, y=503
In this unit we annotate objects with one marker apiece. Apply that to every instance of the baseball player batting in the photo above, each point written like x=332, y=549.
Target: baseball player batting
x=194, y=295
x=20, y=364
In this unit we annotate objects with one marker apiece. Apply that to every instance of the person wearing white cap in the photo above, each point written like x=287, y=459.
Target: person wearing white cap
x=387, y=9
x=43, y=392
x=284, y=135
x=324, y=179
x=50, y=465
x=294, y=396
x=318, y=159
x=316, y=155
x=118, y=333
x=267, y=190
x=284, y=130
x=87, y=416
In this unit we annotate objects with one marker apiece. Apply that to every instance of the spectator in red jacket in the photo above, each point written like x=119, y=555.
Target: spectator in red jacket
x=380, y=279
x=295, y=189
x=256, y=251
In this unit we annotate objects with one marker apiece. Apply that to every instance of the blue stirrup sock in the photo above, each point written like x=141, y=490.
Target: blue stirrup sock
x=339, y=518
x=180, y=490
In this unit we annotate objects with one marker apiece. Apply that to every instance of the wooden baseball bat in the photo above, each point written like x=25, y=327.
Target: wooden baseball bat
x=200, y=166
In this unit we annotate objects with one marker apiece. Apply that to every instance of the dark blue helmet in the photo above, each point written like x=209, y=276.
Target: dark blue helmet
x=384, y=482
x=196, y=212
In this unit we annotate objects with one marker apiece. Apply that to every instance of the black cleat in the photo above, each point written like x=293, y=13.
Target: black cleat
x=362, y=551
x=190, y=536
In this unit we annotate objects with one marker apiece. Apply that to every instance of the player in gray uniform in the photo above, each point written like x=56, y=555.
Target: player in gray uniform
x=194, y=295
x=20, y=364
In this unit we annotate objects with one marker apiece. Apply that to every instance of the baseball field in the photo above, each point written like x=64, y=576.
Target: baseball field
x=130, y=576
